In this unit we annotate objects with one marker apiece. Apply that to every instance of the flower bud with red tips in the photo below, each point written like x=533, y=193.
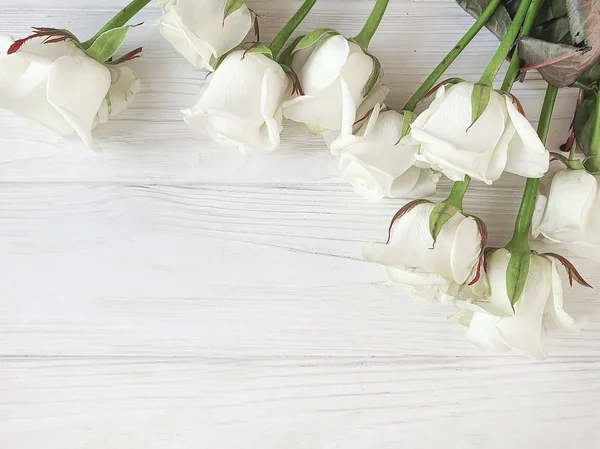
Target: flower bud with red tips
x=496, y=322
x=426, y=271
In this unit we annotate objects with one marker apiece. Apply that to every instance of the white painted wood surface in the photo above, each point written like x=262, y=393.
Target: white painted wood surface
x=168, y=293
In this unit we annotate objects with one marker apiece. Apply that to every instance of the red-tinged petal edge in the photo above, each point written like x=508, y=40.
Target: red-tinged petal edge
x=516, y=102
x=571, y=270
x=408, y=207
x=480, y=262
x=566, y=147
x=51, y=35
x=438, y=85
x=295, y=80
x=486, y=254
x=364, y=117
x=483, y=235
x=134, y=54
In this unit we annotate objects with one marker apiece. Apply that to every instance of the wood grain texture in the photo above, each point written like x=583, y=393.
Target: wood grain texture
x=168, y=293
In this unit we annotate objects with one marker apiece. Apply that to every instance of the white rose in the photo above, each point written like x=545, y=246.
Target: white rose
x=196, y=28
x=493, y=325
x=425, y=271
x=500, y=140
x=123, y=89
x=333, y=75
x=240, y=105
x=56, y=85
x=570, y=212
x=378, y=164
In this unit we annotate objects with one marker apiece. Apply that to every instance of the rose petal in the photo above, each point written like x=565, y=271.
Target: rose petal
x=197, y=31
x=23, y=88
x=123, y=89
x=240, y=106
x=451, y=144
x=76, y=89
x=527, y=155
x=324, y=65
x=466, y=249
x=523, y=332
x=570, y=205
x=556, y=316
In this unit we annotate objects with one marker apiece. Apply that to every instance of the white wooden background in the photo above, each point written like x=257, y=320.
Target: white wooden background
x=168, y=293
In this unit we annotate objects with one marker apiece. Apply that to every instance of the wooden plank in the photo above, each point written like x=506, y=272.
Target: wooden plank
x=224, y=271
x=299, y=403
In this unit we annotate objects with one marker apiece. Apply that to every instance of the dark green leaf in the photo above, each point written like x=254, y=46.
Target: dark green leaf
x=107, y=44
x=591, y=76
x=231, y=6
x=497, y=24
x=583, y=125
x=576, y=13
x=556, y=31
x=550, y=10
x=592, y=164
x=516, y=275
x=312, y=38
x=568, y=62
x=440, y=215
x=286, y=56
x=480, y=98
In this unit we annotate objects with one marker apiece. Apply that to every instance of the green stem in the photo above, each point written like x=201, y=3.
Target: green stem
x=519, y=242
x=451, y=56
x=515, y=61
x=504, y=49
x=593, y=163
x=285, y=33
x=366, y=34
x=119, y=20
x=595, y=145
x=455, y=198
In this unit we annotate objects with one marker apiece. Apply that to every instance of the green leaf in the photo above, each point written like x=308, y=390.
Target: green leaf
x=583, y=124
x=313, y=37
x=232, y=6
x=480, y=98
x=287, y=55
x=576, y=13
x=571, y=164
x=498, y=24
x=260, y=48
x=556, y=31
x=374, y=77
x=568, y=62
x=551, y=10
x=591, y=76
x=107, y=44
x=592, y=164
x=516, y=275
x=440, y=215
x=407, y=118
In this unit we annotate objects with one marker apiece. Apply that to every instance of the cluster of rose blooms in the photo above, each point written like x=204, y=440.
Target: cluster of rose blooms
x=507, y=297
